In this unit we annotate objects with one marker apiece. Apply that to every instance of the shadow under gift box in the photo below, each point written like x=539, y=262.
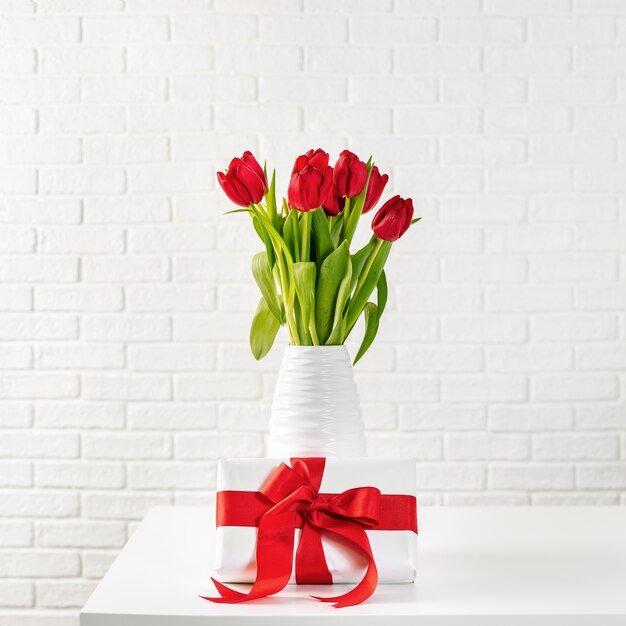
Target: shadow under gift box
x=394, y=550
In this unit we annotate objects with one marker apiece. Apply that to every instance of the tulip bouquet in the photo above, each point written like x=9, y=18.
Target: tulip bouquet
x=309, y=279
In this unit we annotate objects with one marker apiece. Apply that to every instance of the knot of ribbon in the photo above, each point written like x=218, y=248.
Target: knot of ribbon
x=295, y=502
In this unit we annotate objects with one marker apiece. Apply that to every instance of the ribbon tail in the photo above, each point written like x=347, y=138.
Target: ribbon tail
x=228, y=595
x=357, y=537
x=274, y=556
x=311, y=566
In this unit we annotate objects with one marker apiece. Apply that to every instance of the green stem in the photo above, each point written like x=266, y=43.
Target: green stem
x=295, y=225
x=291, y=322
x=306, y=236
x=279, y=282
x=304, y=339
x=345, y=216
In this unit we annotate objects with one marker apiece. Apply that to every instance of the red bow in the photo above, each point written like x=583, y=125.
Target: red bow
x=296, y=502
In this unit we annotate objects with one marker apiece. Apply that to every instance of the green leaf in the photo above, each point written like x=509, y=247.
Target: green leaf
x=263, y=330
x=370, y=280
x=321, y=234
x=335, y=232
x=343, y=293
x=284, y=260
x=280, y=224
x=339, y=323
x=304, y=338
x=358, y=261
x=237, y=211
x=415, y=220
x=304, y=278
x=265, y=280
x=274, y=235
x=371, y=328
x=333, y=271
x=289, y=237
x=337, y=337
x=265, y=238
x=381, y=293
x=272, y=211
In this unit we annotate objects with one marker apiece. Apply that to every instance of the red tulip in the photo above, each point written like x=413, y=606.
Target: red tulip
x=244, y=182
x=349, y=175
x=375, y=189
x=393, y=218
x=311, y=181
x=334, y=203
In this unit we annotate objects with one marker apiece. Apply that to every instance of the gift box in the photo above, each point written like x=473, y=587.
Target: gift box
x=336, y=506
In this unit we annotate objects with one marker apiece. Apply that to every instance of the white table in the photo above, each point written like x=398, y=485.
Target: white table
x=477, y=567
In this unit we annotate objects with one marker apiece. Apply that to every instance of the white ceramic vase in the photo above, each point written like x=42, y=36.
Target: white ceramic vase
x=316, y=409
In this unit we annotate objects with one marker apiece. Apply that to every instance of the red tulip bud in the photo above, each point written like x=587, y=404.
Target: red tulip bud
x=375, y=189
x=393, y=218
x=311, y=181
x=244, y=182
x=349, y=175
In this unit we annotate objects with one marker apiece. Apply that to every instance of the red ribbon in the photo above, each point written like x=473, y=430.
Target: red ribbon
x=290, y=499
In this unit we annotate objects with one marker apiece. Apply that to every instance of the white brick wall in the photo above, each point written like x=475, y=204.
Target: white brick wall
x=126, y=295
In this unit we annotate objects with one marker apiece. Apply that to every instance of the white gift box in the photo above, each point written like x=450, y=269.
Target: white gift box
x=394, y=550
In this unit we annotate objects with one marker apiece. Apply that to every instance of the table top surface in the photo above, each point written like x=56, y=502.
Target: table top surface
x=476, y=565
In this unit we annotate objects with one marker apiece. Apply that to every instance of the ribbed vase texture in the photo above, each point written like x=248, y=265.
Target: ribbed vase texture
x=316, y=409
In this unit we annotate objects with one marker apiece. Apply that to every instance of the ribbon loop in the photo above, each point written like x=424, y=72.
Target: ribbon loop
x=293, y=493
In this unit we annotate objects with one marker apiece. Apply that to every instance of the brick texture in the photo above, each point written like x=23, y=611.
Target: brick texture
x=126, y=294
